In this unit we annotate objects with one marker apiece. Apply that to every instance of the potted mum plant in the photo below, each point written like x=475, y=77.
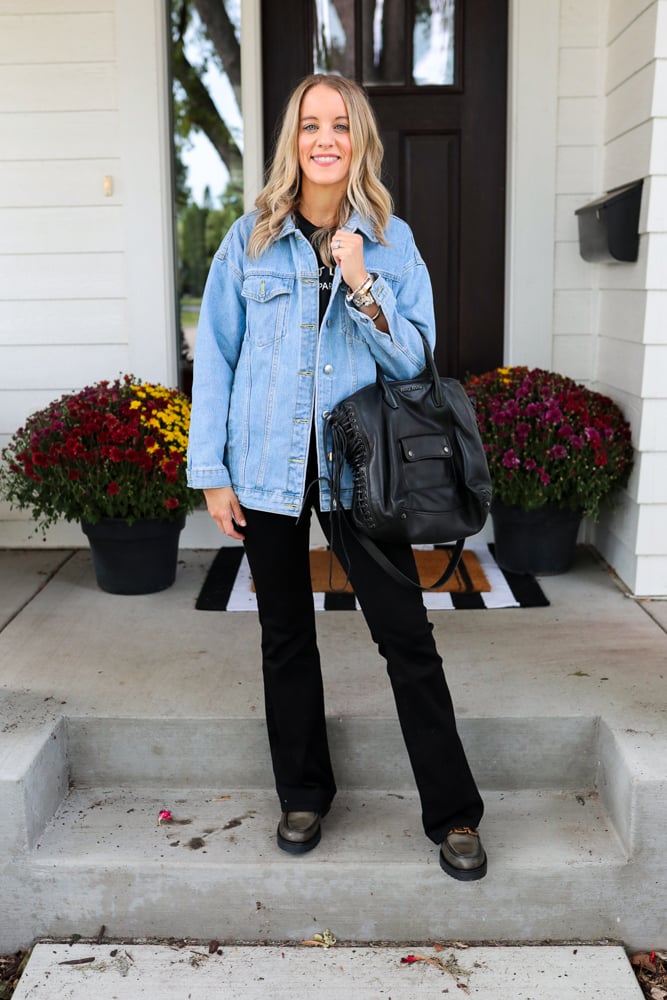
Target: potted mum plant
x=111, y=456
x=556, y=452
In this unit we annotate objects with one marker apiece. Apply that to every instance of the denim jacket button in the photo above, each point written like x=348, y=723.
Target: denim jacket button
x=328, y=369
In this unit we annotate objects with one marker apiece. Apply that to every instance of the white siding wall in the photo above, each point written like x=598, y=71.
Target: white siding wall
x=632, y=341
x=610, y=326
x=62, y=285
x=85, y=288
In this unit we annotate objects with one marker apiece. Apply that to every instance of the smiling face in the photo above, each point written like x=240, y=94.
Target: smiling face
x=325, y=150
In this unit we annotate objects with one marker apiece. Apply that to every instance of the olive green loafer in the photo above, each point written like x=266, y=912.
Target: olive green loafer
x=462, y=855
x=299, y=832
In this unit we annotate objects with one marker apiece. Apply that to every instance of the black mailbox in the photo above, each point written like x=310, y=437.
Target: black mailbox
x=609, y=226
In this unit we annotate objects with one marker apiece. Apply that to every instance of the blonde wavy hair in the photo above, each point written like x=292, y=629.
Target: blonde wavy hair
x=366, y=194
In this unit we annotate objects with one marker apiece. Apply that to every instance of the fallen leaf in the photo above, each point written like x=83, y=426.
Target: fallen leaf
x=324, y=940
x=213, y=946
x=643, y=961
x=164, y=816
x=78, y=961
x=657, y=993
x=454, y=969
x=221, y=798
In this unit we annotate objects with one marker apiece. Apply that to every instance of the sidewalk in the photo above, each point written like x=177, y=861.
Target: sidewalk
x=132, y=972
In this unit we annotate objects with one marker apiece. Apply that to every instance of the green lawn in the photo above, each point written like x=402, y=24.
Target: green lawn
x=189, y=310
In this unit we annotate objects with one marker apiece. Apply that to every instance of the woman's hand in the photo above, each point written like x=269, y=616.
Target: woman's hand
x=348, y=252
x=225, y=509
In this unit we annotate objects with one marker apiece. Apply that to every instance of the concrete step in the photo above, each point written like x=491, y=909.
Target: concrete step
x=129, y=972
x=520, y=752
x=85, y=850
x=216, y=872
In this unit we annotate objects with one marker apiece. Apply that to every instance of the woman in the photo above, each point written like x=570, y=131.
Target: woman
x=304, y=296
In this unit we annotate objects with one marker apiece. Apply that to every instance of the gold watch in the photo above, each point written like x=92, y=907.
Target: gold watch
x=362, y=297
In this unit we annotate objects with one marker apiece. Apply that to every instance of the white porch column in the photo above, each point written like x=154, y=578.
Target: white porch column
x=531, y=178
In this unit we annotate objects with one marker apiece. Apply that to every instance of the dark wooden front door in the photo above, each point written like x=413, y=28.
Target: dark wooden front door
x=440, y=99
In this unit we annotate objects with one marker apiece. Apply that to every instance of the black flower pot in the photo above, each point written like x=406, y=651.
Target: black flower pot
x=134, y=559
x=535, y=541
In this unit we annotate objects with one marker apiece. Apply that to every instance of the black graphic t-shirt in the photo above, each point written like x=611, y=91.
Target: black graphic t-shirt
x=326, y=272
x=326, y=284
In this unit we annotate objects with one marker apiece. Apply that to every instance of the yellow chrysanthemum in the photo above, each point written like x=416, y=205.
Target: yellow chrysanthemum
x=170, y=423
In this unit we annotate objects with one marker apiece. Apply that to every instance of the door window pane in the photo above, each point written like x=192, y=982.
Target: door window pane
x=383, y=41
x=402, y=43
x=333, y=44
x=433, y=43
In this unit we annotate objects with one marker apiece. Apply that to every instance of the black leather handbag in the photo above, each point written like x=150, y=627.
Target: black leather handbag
x=418, y=463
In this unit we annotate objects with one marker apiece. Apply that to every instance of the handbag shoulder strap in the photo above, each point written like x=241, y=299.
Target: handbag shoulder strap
x=387, y=565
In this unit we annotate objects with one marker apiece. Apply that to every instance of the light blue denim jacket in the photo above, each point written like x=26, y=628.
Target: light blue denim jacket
x=264, y=369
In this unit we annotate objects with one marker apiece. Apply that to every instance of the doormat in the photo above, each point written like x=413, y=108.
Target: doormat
x=478, y=584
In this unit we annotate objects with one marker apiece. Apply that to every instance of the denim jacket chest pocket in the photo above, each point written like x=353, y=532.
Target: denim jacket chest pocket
x=267, y=307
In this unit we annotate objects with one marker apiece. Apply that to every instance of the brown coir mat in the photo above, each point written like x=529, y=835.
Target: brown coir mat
x=468, y=577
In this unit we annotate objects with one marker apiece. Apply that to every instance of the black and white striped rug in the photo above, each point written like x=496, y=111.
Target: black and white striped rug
x=228, y=587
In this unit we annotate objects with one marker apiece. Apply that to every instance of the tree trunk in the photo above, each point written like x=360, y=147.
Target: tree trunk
x=204, y=114
x=221, y=32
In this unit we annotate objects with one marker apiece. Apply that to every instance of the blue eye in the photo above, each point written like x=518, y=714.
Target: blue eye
x=309, y=126
x=343, y=127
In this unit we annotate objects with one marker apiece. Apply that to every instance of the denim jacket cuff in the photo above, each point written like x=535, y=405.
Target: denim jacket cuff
x=209, y=479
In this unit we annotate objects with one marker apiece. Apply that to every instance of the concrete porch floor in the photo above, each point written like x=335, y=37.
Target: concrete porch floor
x=111, y=706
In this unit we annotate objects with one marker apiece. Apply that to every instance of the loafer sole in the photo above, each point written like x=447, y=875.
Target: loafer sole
x=463, y=874
x=299, y=846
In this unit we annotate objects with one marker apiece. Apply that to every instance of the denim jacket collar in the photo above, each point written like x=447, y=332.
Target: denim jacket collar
x=354, y=223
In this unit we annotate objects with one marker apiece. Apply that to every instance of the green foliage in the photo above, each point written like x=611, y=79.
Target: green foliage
x=200, y=232
x=192, y=249
x=218, y=221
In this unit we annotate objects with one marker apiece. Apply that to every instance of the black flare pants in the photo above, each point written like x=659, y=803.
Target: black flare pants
x=277, y=547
